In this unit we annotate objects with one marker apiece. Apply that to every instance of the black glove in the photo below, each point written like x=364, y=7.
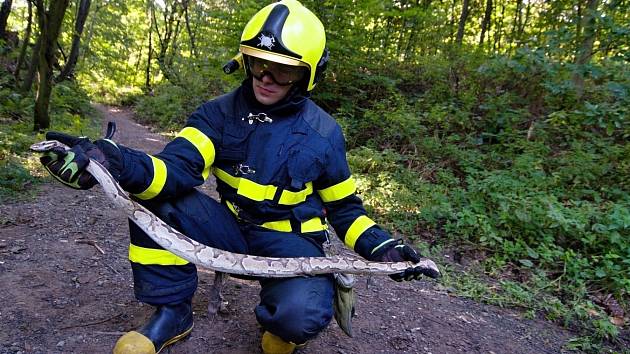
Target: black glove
x=69, y=166
x=397, y=251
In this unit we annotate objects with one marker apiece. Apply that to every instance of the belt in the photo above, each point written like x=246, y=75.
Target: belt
x=313, y=225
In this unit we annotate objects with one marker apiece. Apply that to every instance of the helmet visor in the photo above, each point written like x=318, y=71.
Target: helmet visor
x=280, y=74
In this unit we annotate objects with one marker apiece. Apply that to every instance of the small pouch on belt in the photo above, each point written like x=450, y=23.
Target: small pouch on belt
x=344, y=301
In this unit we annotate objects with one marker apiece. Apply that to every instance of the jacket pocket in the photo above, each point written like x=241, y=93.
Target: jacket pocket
x=304, y=165
x=234, y=141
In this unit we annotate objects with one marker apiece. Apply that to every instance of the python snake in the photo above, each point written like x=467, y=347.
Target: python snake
x=223, y=261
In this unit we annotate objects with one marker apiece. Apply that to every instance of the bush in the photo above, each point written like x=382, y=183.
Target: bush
x=19, y=169
x=168, y=106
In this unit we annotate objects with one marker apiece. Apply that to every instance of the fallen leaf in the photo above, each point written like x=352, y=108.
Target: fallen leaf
x=593, y=312
x=617, y=321
x=613, y=307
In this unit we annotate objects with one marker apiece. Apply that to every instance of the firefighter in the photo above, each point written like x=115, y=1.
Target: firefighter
x=281, y=171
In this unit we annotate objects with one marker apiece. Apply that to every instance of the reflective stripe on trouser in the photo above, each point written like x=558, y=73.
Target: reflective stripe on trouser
x=161, y=277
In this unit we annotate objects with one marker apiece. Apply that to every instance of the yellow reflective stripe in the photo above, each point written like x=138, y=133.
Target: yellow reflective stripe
x=282, y=225
x=159, y=179
x=357, y=228
x=292, y=198
x=205, y=173
x=231, y=207
x=152, y=256
x=313, y=225
x=338, y=191
x=255, y=191
x=226, y=177
x=259, y=192
x=203, y=144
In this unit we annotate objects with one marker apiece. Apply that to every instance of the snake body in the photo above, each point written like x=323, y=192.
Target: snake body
x=223, y=261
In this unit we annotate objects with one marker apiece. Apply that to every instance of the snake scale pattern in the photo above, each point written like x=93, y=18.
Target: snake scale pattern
x=223, y=261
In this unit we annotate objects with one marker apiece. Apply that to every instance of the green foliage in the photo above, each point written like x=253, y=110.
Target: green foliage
x=19, y=169
x=169, y=105
x=14, y=105
x=447, y=152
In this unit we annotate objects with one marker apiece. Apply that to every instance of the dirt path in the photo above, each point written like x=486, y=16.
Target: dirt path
x=66, y=287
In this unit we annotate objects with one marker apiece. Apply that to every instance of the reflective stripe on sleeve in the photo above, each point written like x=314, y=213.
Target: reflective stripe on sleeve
x=152, y=256
x=203, y=144
x=338, y=191
x=159, y=179
x=357, y=228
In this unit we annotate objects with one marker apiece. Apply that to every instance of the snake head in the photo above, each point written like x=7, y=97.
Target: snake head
x=48, y=145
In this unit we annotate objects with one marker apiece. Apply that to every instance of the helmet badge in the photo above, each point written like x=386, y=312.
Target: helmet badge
x=266, y=41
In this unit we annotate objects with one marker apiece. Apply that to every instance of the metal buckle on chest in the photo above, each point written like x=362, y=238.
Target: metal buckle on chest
x=260, y=117
x=241, y=170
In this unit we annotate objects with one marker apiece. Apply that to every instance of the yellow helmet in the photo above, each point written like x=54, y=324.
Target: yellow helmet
x=286, y=32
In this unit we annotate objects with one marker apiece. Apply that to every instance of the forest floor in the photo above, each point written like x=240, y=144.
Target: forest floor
x=66, y=287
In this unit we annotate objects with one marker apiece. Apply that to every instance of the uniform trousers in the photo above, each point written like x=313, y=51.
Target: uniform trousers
x=295, y=309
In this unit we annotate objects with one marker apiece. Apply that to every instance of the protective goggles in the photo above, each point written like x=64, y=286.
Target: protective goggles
x=280, y=74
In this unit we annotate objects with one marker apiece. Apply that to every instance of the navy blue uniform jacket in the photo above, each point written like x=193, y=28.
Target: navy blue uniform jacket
x=282, y=167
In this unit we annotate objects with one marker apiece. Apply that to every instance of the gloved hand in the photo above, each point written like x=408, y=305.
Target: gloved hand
x=69, y=166
x=397, y=251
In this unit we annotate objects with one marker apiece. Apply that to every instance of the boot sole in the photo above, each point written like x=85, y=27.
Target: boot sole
x=176, y=338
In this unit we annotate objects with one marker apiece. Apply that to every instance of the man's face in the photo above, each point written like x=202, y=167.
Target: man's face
x=268, y=92
x=272, y=81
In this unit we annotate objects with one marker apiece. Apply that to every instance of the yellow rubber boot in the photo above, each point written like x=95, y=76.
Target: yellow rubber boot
x=134, y=343
x=272, y=344
x=166, y=326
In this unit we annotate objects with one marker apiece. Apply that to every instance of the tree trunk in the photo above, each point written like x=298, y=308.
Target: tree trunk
x=32, y=68
x=50, y=25
x=516, y=23
x=27, y=39
x=82, y=14
x=528, y=12
x=5, y=11
x=147, y=83
x=174, y=45
x=172, y=19
x=63, y=55
x=451, y=22
x=191, y=35
x=584, y=52
x=87, y=39
x=486, y=22
x=499, y=30
x=462, y=23
x=578, y=22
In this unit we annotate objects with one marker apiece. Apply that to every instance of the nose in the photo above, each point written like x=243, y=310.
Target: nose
x=266, y=79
